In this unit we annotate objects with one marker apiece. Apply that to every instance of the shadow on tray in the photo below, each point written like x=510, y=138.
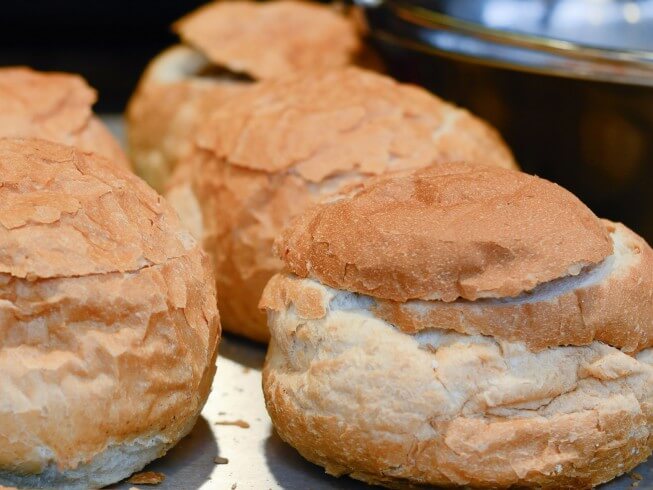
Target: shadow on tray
x=189, y=464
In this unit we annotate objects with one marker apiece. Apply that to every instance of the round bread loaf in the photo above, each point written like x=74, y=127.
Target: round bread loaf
x=227, y=46
x=56, y=107
x=108, y=322
x=267, y=154
x=462, y=325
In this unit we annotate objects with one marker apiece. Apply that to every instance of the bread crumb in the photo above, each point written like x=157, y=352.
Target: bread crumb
x=221, y=460
x=233, y=487
x=147, y=478
x=239, y=423
x=636, y=476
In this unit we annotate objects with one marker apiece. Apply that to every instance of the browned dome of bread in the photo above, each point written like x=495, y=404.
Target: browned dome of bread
x=228, y=46
x=446, y=232
x=271, y=151
x=462, y=326
x=105, y=222
x=270, y=39
x=56, y=107
x=168, y=103
x=105, y=301
x=324, y=123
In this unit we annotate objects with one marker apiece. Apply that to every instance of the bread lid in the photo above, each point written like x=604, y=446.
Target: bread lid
x=321, y=124
x=446, y=232
x=54, y=106
x=270, y=39
x=52, y=103
x=66, y=213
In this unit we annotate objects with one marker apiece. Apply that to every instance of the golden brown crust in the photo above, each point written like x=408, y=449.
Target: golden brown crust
x=231, y=44
x=446, y=232
x=270, y=152
x=359, y=397
x=167, y=104
x=241, y=212
x=56, y=107
x=525, y=382
x=616, y=308
x=322, y=124
x=94, y=217
x=141, y=343
x=270, y=39
x=612, y=304
x=109, y=324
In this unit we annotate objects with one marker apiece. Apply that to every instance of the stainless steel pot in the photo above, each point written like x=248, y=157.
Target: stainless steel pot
x=569, y=83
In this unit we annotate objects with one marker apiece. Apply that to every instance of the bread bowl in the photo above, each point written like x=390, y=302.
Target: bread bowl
x=108, y=322
x=227, y=45
x=267, y=153
x=462, y=326
x=54, y=106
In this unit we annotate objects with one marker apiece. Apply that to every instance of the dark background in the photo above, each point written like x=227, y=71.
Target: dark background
x=108, y=42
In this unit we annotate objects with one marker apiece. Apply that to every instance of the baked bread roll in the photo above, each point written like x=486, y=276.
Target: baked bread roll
x=108, y=322
x=265, y=155
x=226, y=46
x=462, y=325
x=56, y=107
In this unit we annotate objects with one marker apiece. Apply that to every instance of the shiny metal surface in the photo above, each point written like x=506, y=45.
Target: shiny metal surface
x=587, y=39
x=623, y=25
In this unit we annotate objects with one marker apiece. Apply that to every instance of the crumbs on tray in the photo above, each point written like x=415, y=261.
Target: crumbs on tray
x=238, y=423
x=147, y=478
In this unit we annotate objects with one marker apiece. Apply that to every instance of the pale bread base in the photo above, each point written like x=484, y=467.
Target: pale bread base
x=357, y=396
x=116, y=463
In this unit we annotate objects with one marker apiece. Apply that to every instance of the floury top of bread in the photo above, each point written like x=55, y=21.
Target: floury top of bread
x=109, y=321
x=226, y=46
x=462, y=325
x=56, y=107
x=271, y=151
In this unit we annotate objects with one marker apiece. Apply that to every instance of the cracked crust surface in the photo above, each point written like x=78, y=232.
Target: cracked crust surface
x=612, y=303
x=270, y=39
x=228, y=46
x=93, y=219
x=270, y=152
x=546, y=383
x=56, y=107
x=354, y=394
x=160, y=133
x=107, y=306
x=322, y=124
x=446, y=232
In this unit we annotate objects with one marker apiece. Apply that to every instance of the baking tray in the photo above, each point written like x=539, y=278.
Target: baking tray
x=258, y=458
